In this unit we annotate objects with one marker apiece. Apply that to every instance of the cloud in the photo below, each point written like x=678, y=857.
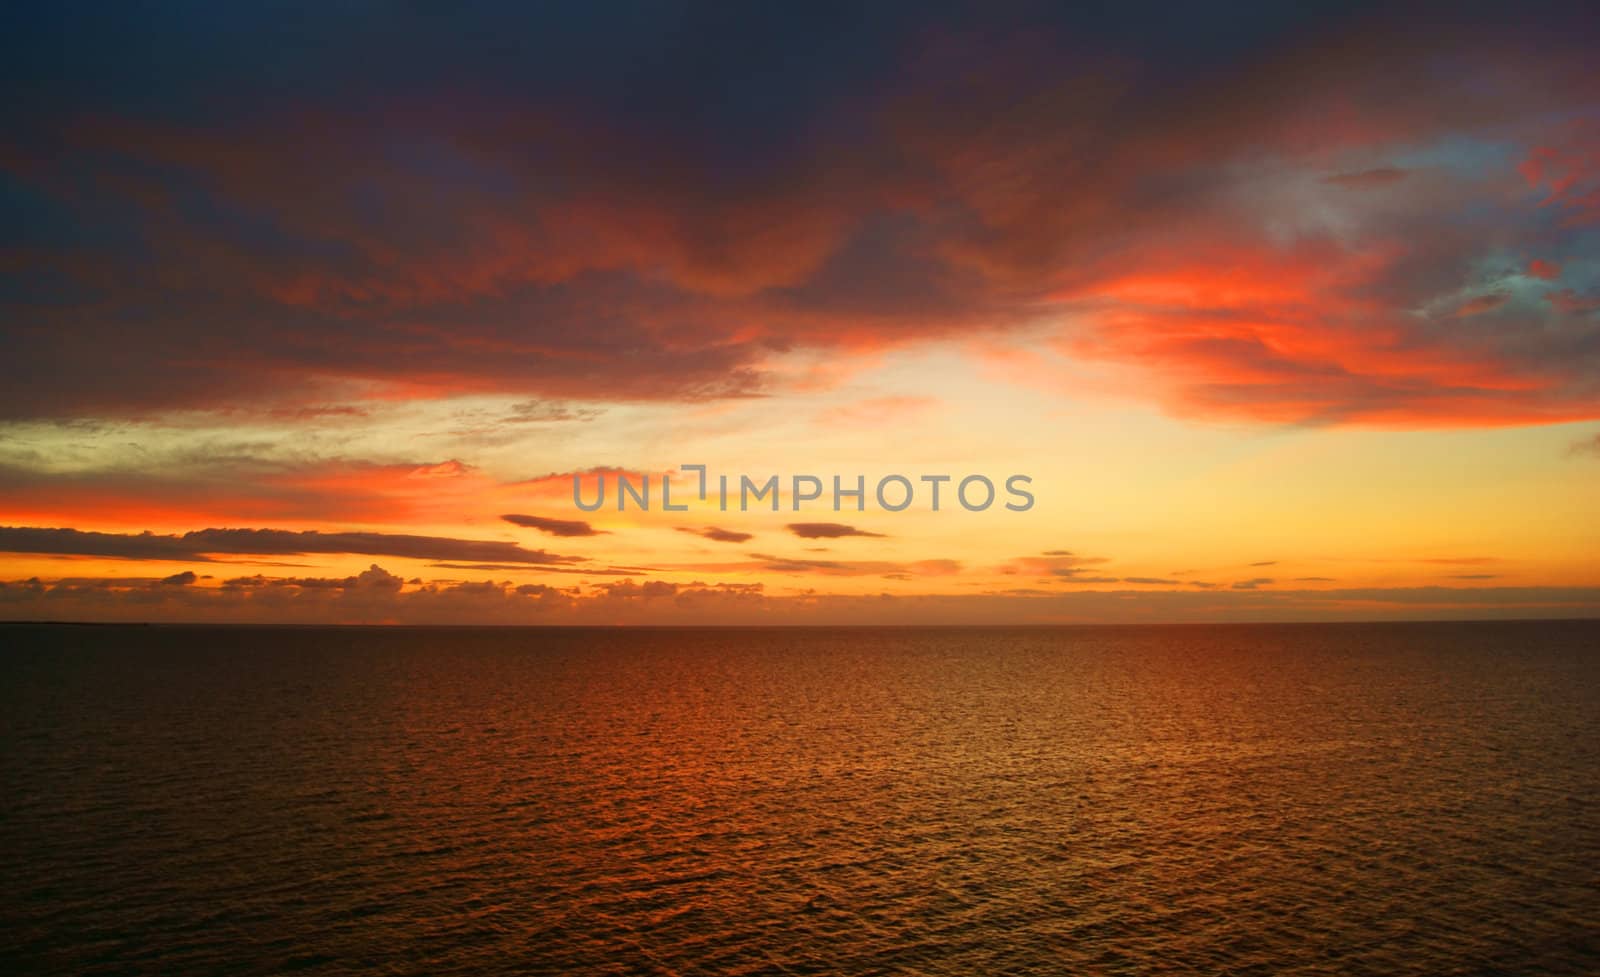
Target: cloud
x=1252, y=584
x=547, y=412
x=553, y=527
x=1544, y=270
x=1265, y=563
x=520, y=567
x=484, y=427
x=1372, y=179
x=1589, y=447
x=628, y=590
x=1057, y=564
x=855, y=568
x=374, y=578
x=556, y=488
x=376, y=596
x=1482, y=304
x=827, y=530
x=1567, y=170
x=177, y=475
x=1208, y=214
x=202, y=545
x=717, y=535
x=1568, y=302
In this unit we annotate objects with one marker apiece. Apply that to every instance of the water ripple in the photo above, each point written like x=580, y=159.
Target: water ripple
x=1242, y=800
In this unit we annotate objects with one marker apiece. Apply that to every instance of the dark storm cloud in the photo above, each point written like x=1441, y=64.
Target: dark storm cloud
x=289, y=204
x=202, y=544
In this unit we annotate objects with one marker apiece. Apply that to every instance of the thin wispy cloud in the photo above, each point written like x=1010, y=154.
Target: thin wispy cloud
x=717, y=535
x=553, y=527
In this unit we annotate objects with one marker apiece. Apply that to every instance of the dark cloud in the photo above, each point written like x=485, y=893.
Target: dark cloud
x=74, y=542
x=1265, y=563
x=629, y=590
x=202, y=544
x=717, y=535
x=1252, y=584
x=377, y=596
x=624, y=203
x=374, y=578
x=827, y=530
x=553, y=527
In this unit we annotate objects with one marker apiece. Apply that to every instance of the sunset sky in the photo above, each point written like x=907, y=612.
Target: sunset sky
x=309, y=313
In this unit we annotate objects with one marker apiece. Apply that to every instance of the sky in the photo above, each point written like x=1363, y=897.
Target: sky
x=312, y=313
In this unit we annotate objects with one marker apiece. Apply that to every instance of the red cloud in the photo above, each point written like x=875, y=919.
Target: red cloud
x=1309, y=335
x=1547, y=270
x=1185, y=228
x=1571, y=303
x=1568, y=172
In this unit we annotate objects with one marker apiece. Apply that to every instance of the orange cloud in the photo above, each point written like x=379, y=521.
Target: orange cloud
x=376, y=596
x=1305, y=335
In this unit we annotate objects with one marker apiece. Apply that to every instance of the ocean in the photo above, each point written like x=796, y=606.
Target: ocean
x=1253, y=799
